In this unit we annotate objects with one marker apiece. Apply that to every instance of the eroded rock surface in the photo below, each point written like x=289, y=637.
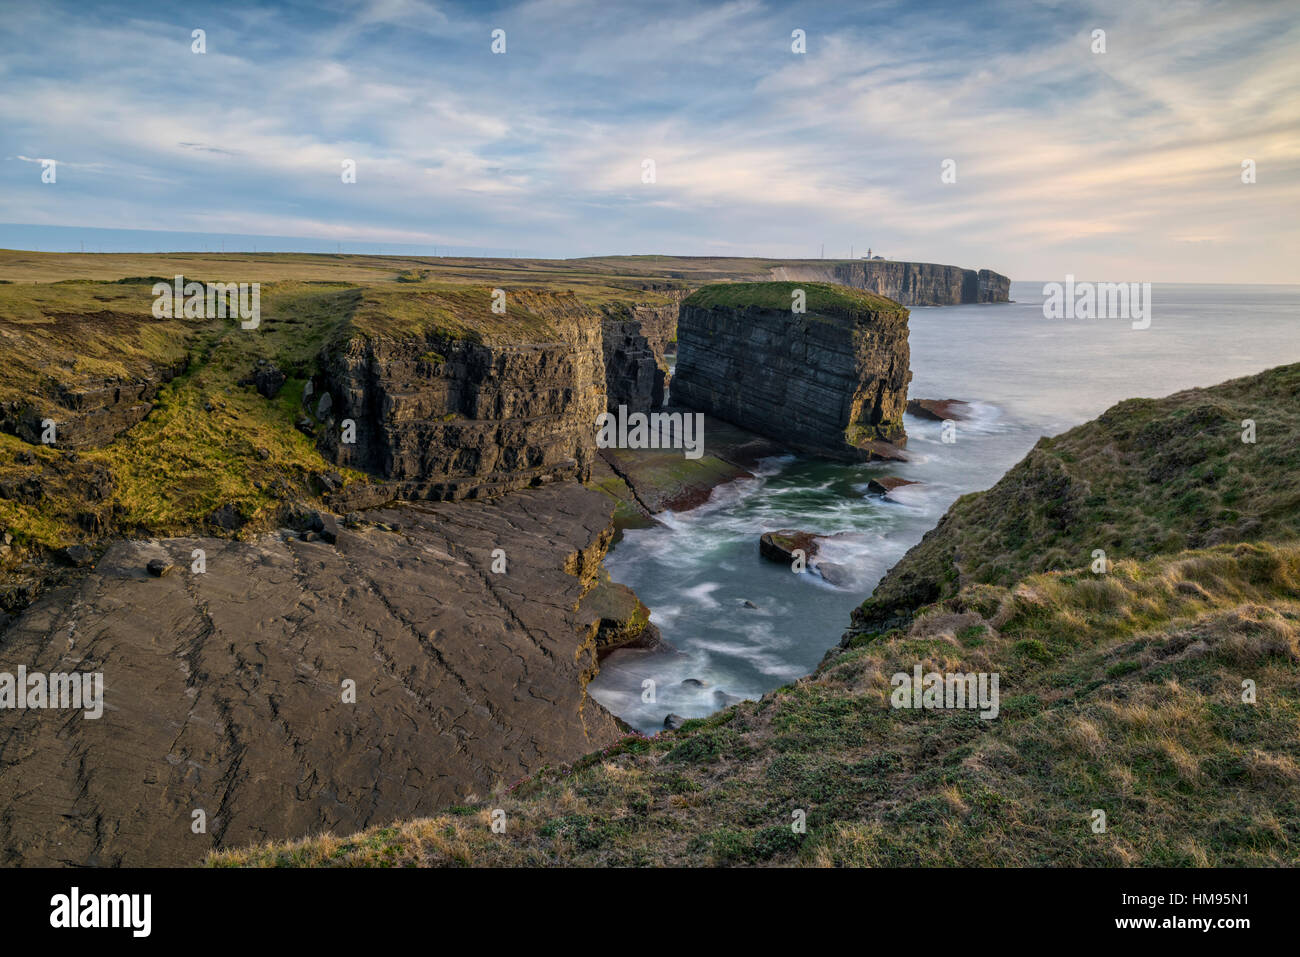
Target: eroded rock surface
x=224, y=690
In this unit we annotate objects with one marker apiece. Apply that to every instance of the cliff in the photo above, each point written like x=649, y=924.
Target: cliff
x=633, y=377
x=912, y=284
x=832, y=380
x=93, y=366
x=224, y=686
x=452, y=401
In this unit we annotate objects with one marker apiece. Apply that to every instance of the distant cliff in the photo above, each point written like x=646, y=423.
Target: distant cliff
x=912, y=284
x=832, y=380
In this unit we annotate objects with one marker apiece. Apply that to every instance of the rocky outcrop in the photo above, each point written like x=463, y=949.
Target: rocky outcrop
x=90, y=412
x=659, y=323
x=229, y=691
x=618, y=618
x=912, y=284
x=831, y=380
x=885, y=485
x=471, y=409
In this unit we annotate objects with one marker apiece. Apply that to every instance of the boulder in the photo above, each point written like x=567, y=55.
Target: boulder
x=835, y=574
x=227, y=517
x=78, y=556
x=269, y=380
x=779, y=546
x=159, y=567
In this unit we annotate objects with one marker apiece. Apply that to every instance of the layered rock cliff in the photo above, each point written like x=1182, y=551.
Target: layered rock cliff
x=451, y=400
x=912, y=284
x=831, y=380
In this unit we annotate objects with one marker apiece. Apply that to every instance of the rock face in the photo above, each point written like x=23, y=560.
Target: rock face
x=225, y=691
x=452, y=412
x=659, y=324
x=831, y=381
x=912, y=284
x=633, y=377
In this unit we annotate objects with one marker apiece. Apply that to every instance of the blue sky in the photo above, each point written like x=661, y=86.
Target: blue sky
x=1124, y=165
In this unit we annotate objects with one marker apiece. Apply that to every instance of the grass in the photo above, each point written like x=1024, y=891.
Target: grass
x=1148, y=477
x=821, y=298
x=207, y=441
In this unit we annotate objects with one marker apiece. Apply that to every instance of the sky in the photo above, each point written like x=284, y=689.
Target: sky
x=1123, y=165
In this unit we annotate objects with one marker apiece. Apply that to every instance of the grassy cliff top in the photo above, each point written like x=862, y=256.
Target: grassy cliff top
x=1148, y=477
x=458, y=311
x=648, y=274
x=207, y=442
x=821, y=298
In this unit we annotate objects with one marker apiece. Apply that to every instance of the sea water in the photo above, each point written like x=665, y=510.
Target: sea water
x=1026, y=376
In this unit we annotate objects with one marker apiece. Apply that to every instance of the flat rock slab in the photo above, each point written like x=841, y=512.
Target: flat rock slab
x=224, y=690
x=664, y=479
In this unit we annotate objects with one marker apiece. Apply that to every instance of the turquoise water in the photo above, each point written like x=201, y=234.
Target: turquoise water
x=1027, y=377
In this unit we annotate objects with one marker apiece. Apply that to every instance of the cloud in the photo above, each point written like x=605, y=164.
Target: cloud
x=1067, y=161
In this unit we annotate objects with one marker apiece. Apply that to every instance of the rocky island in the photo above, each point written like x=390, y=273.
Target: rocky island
x=820, y=367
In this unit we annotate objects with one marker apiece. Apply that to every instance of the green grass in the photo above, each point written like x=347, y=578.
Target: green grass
x=821, y=298
x=1148, y=477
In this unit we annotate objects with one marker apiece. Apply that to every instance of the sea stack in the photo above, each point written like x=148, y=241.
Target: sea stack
x=820, y=367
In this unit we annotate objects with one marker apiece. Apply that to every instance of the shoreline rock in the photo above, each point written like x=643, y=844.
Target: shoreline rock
x=938, y=410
